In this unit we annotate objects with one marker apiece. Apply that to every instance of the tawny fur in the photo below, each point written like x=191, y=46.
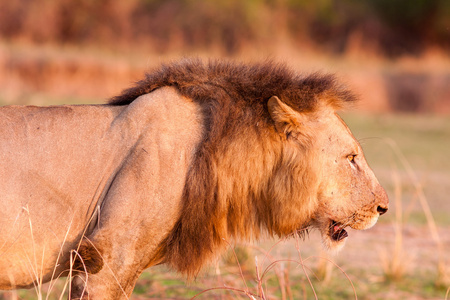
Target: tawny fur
x=195, y=156
x=239, y=184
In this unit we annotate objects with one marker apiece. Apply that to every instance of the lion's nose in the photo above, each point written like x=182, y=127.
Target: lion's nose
x=382, y=202
x=382, y=210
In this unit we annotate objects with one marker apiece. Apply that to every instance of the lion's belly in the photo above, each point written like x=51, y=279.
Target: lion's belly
x=36, y=236
x=27, y=260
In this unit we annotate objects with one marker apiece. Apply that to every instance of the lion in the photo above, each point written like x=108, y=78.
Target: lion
x=196, y=154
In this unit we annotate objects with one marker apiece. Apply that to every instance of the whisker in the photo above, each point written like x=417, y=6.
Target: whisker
x=370, y=138
x=344, y=222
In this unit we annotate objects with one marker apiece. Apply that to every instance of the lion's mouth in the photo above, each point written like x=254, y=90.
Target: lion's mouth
x=337, y=231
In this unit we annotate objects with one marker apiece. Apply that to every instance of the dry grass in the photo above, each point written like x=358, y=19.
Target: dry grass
x=395, y=265
x=394, y=261
x=281, y=268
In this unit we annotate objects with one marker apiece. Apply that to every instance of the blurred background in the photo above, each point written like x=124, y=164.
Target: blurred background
x=393, y=53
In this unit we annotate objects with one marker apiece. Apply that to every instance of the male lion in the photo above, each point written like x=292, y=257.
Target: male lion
x=195, y=154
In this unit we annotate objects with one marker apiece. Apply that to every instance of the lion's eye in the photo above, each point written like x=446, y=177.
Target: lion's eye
x=351, y=158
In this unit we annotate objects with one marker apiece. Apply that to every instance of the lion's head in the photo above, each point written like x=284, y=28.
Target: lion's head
x=275, y=157
x=344, y=192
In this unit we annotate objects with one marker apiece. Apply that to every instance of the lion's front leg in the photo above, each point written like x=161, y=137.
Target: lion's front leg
x=110, y=259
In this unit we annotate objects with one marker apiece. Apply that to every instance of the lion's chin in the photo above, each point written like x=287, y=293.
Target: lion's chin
x=332, y=245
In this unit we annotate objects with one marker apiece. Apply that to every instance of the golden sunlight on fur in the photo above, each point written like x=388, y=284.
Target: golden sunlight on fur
x=196, y=153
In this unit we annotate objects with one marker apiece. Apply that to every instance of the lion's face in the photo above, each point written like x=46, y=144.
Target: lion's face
x=348, y=192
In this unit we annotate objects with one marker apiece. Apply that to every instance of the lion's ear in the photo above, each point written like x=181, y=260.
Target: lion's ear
x=286, y=119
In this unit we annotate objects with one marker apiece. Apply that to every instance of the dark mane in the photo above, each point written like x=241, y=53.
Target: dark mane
x=251, y=83
x=242, y=173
